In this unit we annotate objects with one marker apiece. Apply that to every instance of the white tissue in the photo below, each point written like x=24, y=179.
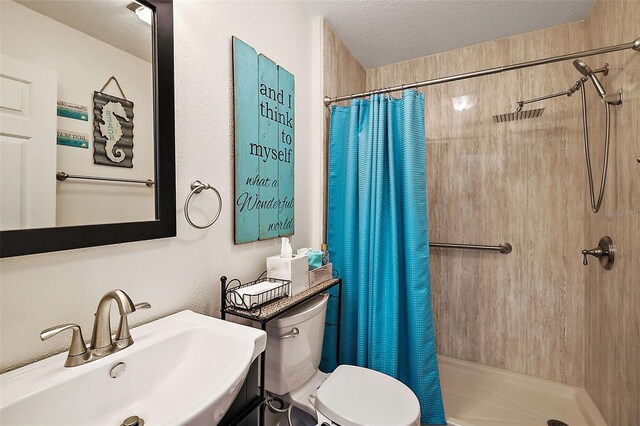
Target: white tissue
x=286, y=252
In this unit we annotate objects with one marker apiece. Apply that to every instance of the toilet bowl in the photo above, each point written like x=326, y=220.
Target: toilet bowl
x=350, y=396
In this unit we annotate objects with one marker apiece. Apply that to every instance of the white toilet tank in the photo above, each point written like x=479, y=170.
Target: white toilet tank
x=294, y=345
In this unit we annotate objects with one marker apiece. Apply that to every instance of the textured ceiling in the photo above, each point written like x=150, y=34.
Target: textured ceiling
x=384, y=32
x=109, y=21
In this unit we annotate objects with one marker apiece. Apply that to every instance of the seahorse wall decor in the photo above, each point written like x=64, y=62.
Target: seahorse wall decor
x=112, y=130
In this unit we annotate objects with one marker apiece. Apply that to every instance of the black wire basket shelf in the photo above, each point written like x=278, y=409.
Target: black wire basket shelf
x=253, y=295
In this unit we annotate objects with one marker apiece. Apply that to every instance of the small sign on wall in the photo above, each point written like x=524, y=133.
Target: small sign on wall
x=76, y=140
x=74, y=111
x=264, y=112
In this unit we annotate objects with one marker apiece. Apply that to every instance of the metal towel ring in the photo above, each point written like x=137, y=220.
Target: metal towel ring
x=196, y=188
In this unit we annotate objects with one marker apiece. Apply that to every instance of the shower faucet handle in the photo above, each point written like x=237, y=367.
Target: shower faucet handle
x=605, y=252
x=596, y=252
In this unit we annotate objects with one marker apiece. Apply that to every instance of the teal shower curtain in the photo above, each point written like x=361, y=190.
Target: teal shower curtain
x=378, y=244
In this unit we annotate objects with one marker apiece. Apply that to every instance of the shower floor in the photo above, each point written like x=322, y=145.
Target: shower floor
x=477, y=395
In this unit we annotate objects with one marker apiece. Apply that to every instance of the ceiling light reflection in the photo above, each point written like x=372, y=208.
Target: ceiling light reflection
x=464, y=103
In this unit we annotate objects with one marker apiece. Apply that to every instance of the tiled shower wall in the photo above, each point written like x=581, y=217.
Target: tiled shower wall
x=521, y=182
x=341, y=74
x=612, y=310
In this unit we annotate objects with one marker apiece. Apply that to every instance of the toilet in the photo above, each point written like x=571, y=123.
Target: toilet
x=350, y=396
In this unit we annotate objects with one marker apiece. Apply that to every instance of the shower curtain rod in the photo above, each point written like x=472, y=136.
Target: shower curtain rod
x=635, y=45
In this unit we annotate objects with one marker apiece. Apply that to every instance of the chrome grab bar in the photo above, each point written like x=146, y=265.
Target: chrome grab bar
x=505, y=248
x=62, y=176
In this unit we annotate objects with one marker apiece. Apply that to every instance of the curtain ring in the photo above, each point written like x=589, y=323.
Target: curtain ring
x=196, y=188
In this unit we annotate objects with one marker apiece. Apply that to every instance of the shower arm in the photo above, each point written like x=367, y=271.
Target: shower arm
x=604, y=70
x=542, y=98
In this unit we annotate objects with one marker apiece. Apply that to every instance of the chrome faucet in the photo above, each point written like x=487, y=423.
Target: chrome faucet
x=102, y=341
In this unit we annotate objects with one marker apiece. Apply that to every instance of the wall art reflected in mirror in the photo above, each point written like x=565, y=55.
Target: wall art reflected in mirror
x=86, y=128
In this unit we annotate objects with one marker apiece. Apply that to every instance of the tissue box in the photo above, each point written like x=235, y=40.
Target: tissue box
x=295, y=269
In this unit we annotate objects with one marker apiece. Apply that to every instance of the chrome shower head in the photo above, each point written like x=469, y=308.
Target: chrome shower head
x=588, y=72
x=582, y=67
x=518, y=115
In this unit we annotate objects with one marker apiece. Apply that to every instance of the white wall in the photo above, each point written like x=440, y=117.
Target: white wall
x=84, y=64
x=180, y=273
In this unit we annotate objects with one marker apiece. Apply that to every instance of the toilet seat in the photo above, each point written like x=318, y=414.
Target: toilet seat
x=356, y=396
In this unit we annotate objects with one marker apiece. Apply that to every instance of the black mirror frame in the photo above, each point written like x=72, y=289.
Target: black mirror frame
x=31, y=241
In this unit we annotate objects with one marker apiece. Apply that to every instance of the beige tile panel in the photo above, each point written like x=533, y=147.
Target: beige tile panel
x=612, y=374
x=341, y=74
x=520, y=182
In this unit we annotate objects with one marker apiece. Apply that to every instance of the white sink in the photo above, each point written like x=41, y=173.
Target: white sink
x=184, y=369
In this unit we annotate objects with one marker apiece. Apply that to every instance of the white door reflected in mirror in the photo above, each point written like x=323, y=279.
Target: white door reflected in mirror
x=28, y=125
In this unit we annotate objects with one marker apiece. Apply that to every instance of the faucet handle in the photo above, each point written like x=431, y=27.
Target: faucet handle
x=604, y=252
x=123, y=336
x=596, y=252
x=77, y=347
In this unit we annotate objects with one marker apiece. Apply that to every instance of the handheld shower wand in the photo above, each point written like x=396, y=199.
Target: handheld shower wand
x=585, y=70
x=608, y=100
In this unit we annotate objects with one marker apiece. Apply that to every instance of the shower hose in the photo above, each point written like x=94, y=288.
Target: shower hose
x=595, y=205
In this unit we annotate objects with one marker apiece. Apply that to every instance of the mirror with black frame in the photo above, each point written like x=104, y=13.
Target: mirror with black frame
x=86, y=123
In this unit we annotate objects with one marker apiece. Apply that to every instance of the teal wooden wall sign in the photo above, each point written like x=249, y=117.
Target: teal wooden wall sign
x=264, y=95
